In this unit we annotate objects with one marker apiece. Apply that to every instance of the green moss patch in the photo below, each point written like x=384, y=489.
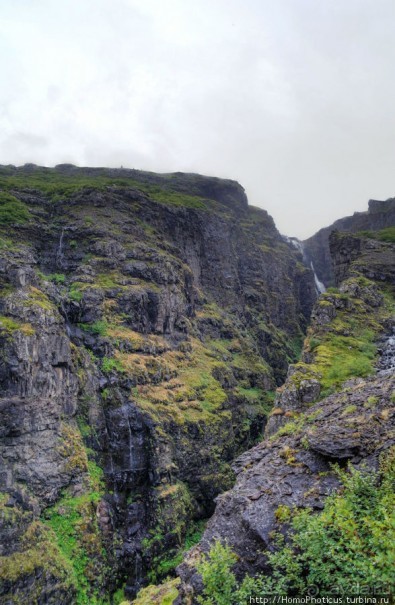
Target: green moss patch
x=346, y=347
x=73, y=521
x=9, y=325
x=38, y=298
x=164, y=594
x=36, y=555
x=12, y=210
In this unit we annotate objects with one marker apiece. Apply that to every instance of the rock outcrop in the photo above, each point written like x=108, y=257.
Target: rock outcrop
x=353, y=255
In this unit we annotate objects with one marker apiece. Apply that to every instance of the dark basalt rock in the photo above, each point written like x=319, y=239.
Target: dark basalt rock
x=353, y=255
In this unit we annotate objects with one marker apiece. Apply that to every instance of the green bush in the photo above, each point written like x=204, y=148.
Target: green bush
x=350, y=543
x=219, y=582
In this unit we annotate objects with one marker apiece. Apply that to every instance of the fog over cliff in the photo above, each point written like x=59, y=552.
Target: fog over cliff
x=292, y=99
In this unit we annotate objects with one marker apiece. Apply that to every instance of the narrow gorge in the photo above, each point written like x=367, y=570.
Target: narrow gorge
x=174, y=372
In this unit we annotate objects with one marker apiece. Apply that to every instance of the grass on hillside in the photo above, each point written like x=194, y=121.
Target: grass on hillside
x=12, y=210
x=384, y=235
x=60, y=186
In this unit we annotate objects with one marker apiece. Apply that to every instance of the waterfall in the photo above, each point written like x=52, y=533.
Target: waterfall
x=66, y=317
x=296, y=243
x=131, y=445
x=386, y=364
x=59, y=253
x=318, y=284
x=112, y=466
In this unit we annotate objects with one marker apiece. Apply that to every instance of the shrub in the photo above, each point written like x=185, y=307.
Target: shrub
x=350, y=544
x=219, y=582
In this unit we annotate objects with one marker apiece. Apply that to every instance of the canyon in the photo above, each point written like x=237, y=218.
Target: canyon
x=171, y=373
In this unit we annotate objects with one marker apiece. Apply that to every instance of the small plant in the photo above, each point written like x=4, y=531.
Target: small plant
x=57, y=278
x=349, y=409
x=7, y=244
x=109, y=364
x=371, y=402
x=75, y=293
x=314, y=343
x=287, y=454
x=332, y=290
x=283, y=514
x=99, y=327
x=290, y=428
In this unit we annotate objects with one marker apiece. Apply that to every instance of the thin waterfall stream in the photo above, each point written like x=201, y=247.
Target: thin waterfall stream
x=296, y=243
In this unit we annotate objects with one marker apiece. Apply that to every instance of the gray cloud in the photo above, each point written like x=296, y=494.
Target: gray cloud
x=292, y=99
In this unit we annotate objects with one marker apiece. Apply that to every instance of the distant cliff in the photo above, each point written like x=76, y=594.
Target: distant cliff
x=380, y=215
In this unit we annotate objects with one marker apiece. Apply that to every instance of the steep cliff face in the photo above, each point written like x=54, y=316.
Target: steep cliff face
x=380, y=215
x=336, y=406
x=145, y=322
x=355, y=255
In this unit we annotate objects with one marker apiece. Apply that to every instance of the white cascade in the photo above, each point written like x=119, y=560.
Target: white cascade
x=318, y=284
x=296, y=243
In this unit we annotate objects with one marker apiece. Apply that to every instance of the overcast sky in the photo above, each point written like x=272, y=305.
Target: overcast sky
x=295, y=99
